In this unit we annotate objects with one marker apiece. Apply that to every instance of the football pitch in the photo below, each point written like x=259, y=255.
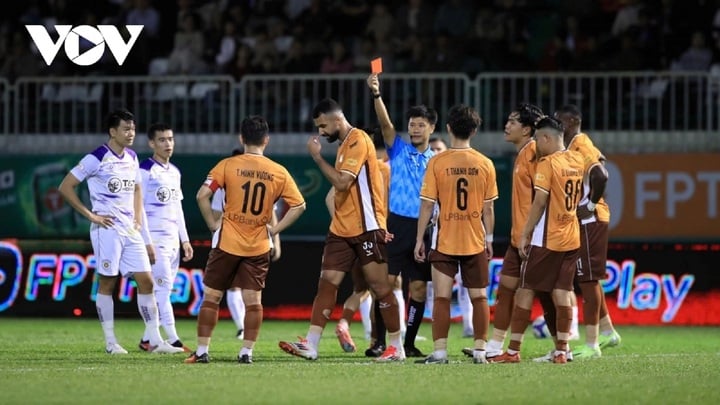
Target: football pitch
x=63, y=361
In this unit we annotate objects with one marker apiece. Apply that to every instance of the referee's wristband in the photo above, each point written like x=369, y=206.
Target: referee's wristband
x=489, y=238
x=591, y=206
x=376, y=95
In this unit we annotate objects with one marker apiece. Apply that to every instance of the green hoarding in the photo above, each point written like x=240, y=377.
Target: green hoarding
x=31, y=206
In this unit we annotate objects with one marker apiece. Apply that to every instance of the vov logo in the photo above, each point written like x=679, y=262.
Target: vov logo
x=70, y=37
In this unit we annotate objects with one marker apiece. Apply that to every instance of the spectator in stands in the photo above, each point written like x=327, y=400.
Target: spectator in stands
x=227, y=49
x=338, y=61
x=626, y=18
x=187, y=53
x=415, y=17
x=697, y=57
x=241, y=65
x=296, y=60
x=381, y=23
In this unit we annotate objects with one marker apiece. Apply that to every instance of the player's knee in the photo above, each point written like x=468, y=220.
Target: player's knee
x=477, y=293
x=212, y=295
x=511, y=283
x=523, y=298
x=254, y=308
x=144, y=283
x=418, y=290
x=562, y=298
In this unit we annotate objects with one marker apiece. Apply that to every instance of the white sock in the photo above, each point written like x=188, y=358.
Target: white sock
x=201, y=349
x=149, y=312
x=313, y=336
x=236, y=305
x=245, y=350
x=365, y=306
x=494, y=346
x=401, y=307
x=465, y=305
x=574, y=329
x=106, y=313
x=440, y=354
x=167, y=317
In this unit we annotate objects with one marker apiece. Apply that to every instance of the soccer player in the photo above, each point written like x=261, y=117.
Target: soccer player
x=357, y=229
x=519, y=130
x=594, y=216
x=438, y=145
x=408, y=161
x=113, y=175
x=550, y=240
x=234, y=299
x=361, y=297
x=162, y=198
x=462, y=182
x=252, y=184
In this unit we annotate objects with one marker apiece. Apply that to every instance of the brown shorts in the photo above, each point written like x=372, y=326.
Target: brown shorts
x=341, y=253
x=224, y=271
x=473, y=269
x=593, y=252
x=546, y=270
x=511, y=262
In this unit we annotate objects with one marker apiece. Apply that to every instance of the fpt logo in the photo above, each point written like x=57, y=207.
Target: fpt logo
x=70, y=37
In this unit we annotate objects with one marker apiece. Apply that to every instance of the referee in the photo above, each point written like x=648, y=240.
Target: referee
x=408, y=161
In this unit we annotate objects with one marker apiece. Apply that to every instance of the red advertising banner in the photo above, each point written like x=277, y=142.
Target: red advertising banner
x=664, y=196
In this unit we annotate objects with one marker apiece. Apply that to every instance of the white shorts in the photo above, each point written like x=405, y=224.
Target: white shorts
x=118, y=254
x=167, y=261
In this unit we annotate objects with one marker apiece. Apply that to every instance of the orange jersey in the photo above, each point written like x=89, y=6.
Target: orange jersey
x=561, y=176
x=362, y=208
x=522, y=190
x=252, y=184
x=582, y=144
x=385, y=171
x=460, y=181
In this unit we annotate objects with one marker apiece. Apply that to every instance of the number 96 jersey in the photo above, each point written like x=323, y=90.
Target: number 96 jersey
x=162, y=199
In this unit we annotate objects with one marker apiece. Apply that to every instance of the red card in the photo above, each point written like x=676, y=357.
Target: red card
x=376, y=65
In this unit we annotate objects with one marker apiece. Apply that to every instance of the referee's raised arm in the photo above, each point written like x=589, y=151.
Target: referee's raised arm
x=386, y=126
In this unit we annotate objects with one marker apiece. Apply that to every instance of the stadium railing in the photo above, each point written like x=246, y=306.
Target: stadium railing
x=624, y=111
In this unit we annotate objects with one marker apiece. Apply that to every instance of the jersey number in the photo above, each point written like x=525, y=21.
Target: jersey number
x=462, y=193
x=258, y=196
x=572, y=193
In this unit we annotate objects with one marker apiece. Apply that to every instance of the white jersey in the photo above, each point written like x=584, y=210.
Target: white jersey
x=111, y=181
x=162, y=198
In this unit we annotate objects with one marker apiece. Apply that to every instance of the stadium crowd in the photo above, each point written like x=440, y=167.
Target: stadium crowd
x=239, y=37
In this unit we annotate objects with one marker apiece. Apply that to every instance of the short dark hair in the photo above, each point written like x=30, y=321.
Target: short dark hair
x=325, y=106
x=547, y=121
x=112, y=120
x=570, y=109
x=463, y=120
x=377, y=137
x=157, y=127
x=436, y=139
x=254, y=129
x=422, y=111
x=528, y=114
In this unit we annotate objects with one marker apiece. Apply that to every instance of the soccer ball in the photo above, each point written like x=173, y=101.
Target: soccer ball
x=539, y=328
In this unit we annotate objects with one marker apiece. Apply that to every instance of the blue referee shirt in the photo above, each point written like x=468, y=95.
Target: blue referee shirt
x=407, y=169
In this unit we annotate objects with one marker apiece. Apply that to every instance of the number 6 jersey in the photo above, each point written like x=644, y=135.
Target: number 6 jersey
x=252, y=183
x=460, y=181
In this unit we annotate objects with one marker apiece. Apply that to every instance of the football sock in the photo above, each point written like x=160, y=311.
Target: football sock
x=236, y=305
x=254, y=318
x=401, y=308
x=167, y=317
x=416, y=311
x=481, y=318
x=441, y=320
x=149, y=311
x=207, y=319
x=313, y=336
x=365, y=313
x=380, y=329
x=106, y=313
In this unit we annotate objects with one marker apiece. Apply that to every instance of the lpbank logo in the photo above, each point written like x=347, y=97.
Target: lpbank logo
x=98, y=36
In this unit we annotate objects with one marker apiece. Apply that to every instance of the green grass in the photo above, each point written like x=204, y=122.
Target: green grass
x=62, y=361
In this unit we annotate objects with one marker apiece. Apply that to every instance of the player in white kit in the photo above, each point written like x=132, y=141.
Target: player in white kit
x=162, y=199
x=113, y=177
